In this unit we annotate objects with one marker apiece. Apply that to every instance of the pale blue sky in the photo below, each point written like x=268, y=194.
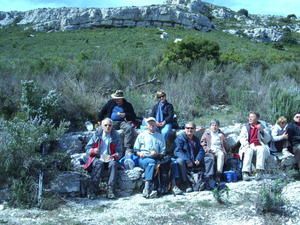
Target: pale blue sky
x=277, y=7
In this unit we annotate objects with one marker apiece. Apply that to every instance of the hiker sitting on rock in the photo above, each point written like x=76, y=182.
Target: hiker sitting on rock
x=213, y=142
x=279, y=144
x=163, y=112
x=122, y=114
x=190, y=159
x=149, y=146
x=103, y=151
x=293, y=131
x=254, y=138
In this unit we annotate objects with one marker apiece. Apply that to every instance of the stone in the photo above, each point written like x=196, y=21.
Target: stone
x=66, y=19
x=68, y=183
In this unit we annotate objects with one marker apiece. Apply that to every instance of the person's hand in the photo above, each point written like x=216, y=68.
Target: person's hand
x=153, y=153
x=252, y=146
x=114, y=156
x=190, y=164
x=158, y=124
x=197, y=162
x=285, y=136
x=122, y=115
x=140, y=154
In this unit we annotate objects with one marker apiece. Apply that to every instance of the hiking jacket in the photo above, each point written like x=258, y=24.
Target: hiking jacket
x=115, y=148
x=183, y=149
x=206, y=140
x=107, y=109
x=293, y=131
x=264, y=138
x=168, y=112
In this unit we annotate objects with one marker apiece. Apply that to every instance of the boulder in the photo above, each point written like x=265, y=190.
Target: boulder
x=69, y=183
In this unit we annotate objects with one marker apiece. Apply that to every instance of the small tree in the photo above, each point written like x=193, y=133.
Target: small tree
x=243, y=12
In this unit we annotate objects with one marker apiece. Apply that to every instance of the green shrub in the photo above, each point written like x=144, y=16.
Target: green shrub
x=243, y=12
x=191, y=49
x=284, y=102
x=20, y=144
x=270, y=198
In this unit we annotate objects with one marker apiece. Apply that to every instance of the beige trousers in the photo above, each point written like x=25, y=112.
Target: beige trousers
x=261, y=155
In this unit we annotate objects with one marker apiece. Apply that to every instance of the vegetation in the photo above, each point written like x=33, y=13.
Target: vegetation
x=21, y=143
x=270, y=198
x=86, y=66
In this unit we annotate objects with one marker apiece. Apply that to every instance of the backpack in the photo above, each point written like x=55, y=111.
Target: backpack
x=234, y=164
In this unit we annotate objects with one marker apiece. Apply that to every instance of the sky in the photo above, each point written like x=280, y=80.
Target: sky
x=272, y=7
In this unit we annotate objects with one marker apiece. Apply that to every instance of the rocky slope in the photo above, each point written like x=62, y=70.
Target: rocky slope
x=192, y=14
x=191, y=208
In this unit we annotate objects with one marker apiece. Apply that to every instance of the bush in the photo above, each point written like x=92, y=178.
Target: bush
x=20, y=144
x=243, y=12
x=191, y=49
x=270, y=198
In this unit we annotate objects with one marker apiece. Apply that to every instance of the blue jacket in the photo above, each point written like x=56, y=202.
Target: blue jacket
x=168, y=112
x=183, y=150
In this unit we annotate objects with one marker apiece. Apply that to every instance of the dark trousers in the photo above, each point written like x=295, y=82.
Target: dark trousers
x=98, y=167
x=207, y=168
x=129, y=132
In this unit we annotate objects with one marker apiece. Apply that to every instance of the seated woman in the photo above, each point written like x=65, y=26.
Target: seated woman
x=213, y=142
x=279, y=135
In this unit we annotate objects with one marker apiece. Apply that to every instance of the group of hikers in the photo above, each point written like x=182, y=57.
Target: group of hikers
x=194, y=164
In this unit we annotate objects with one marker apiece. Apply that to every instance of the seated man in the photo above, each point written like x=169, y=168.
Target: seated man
x=149, y=145
x=103, y=151
x=122, y=114
x=213, y=142
x=254, y=138
x=293, y=131
x=190, y=155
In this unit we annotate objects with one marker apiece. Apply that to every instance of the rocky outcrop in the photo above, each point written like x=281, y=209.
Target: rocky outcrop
x=63, y=19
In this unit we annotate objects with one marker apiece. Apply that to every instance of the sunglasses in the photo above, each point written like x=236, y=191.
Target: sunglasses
x=107, y=125
x=189, y=128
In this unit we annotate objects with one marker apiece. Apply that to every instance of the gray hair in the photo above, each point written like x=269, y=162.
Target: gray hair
x=214, y=121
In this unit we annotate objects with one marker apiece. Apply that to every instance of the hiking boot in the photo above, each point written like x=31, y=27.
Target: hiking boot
x=177, y=191
x=218, y=177
x=91, y=196
x=202, y=186
x=188, y=190
x=110, y=193
x=153, y=194
x=246, y=176
x=146, y=190
x=259, y=175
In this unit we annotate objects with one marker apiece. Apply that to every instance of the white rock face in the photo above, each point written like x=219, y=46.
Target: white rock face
x=264, y=34
x=47, y=19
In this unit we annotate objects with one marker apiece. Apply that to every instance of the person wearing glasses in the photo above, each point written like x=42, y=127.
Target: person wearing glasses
x=254, y=139
x=121, y=112
x=190, y=158
x=149, y=146
x=163, y=112
x=293, y=131
x=213, y=142
x=103, y=150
